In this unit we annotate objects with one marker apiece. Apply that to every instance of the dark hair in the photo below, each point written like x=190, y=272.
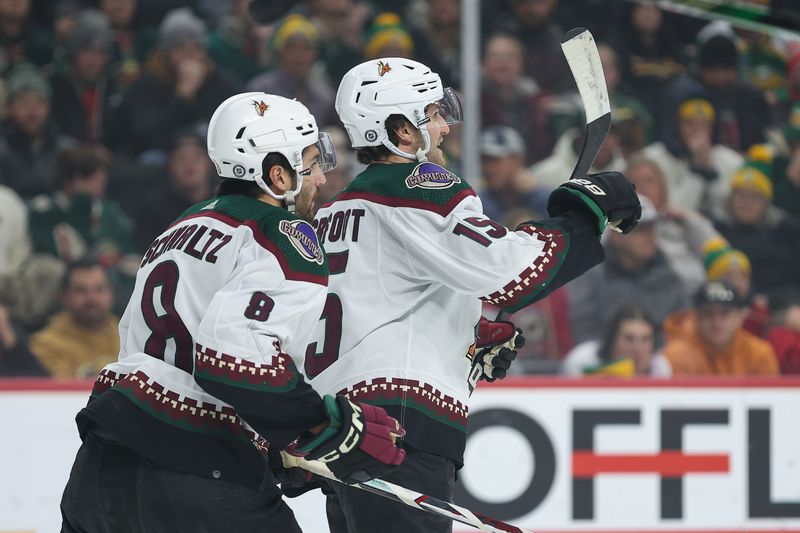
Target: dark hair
x=630, y=312
x=368, y=154
x=80, y=264
x=186, y=136
x=501, y=35
x=78, y=163
x=233, y=186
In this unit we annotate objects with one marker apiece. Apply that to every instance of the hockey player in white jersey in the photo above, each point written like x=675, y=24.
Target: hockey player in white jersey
x=176, y=432
x=411, y=257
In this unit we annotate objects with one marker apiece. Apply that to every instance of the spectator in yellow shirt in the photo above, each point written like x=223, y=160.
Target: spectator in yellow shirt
x=713, y=341
x=81, y=339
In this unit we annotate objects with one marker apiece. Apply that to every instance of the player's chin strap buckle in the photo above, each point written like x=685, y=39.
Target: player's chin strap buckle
x=288, y=197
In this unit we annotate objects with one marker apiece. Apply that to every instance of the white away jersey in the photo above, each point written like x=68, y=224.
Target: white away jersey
x=411, y=254
x=224, y=298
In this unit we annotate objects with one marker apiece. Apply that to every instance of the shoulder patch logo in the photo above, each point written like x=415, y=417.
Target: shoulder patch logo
x=303, y=238
x=431, y=176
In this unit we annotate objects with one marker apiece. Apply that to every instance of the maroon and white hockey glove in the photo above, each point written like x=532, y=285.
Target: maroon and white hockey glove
x=359, y=444
x=496, y=346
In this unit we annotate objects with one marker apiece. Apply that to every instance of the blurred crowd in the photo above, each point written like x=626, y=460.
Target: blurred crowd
x=104, y=105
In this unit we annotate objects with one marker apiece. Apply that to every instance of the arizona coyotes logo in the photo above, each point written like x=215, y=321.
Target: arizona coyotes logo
x=261, y=107
x=383, y=68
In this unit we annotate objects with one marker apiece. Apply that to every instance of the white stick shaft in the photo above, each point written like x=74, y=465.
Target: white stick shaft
x=584, y=62
x=406, y=496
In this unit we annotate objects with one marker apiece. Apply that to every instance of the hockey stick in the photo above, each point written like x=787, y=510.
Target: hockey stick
x=410, y=498
x=583, y=59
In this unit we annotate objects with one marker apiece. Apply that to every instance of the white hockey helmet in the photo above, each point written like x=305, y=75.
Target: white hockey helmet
x=248, y=126
x=375, y=89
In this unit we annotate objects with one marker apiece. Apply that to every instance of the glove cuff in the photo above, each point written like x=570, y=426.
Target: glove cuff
x=602, y=219
x=309, y=444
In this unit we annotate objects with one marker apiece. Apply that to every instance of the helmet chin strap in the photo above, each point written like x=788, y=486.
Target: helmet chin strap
x=288, y=197
x=420, y=155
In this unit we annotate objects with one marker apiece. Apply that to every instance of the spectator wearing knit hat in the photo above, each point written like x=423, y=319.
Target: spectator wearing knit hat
x=180, y=87
x=712, y=341
x=768, y=235
x=341, y=25
x=83, y=89
x=296, y=44
x=697, y=171
x=764, y=65
x=725, y=263
x=30, y=140
x=388, y=38
x=742, y=113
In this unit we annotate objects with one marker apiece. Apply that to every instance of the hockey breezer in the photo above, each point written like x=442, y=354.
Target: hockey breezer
x=410, y=498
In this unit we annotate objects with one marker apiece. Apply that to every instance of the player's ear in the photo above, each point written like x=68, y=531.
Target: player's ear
x=405, y=133
x=280, y=179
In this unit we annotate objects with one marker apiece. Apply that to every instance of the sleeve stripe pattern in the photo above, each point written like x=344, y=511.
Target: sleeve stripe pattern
x=279, y=376
x=264, y=241
x=521, y=291
x=394, y=201
x=411, y=393
x=185, y=412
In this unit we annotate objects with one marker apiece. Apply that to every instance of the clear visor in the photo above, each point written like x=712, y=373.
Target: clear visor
x=450, y=107
x=326, y=160
x=327, y=152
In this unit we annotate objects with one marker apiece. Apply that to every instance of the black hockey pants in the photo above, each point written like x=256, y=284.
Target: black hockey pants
x=114, y=490
x=352, y=510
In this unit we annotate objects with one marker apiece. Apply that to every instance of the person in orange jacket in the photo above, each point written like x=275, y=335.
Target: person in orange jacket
x=710, y=339
x=784, y=335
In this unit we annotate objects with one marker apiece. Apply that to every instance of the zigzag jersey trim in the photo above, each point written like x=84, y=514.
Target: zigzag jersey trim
x=172, y=408
x=533, y=280
x=278, y=376
x=414, y=394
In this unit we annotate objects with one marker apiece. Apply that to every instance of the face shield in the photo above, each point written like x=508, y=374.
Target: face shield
x=327, y=152
x=326, y=160
x=450, y=107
